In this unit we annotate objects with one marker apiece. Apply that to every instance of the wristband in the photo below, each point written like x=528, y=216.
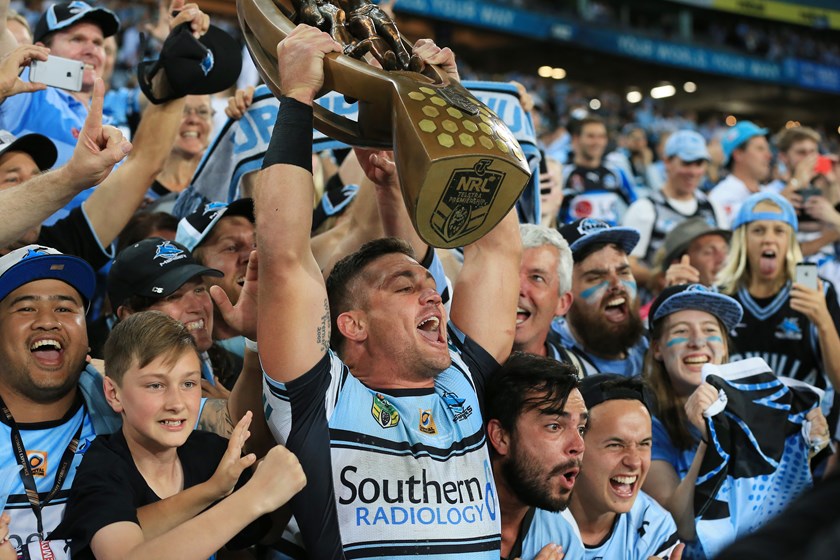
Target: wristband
x=251, y=345
x=291, y=139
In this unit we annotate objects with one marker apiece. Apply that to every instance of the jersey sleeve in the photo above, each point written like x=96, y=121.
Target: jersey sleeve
x=298, y=415
x=640, y=216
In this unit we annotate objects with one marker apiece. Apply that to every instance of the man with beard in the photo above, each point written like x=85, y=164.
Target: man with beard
x=536, y=421
x=603, y=326
x=615, y=518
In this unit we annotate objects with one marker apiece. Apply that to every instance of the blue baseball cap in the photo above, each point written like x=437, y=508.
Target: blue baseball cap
x=687, y=145
x=697, y=296
x=63, y=15
x=737, y=136
x=583, y=233
x=194, y=229
x=36, y=262
x=747, y=213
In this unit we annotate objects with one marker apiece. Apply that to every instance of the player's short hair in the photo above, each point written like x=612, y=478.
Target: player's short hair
x=576, y=127
x=534, y=236
x=142, y=338
x=342, y=291
x=787, y=137
x=527, y=382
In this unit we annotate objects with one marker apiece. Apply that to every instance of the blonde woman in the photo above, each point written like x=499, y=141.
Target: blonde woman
x=791, y=326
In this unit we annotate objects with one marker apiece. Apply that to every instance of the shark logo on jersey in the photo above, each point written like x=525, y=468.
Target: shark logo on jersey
x=427, y=422
x=384, y=412
x=168, y=252
x=37, y=463
x=456, y=405
x=789, y=329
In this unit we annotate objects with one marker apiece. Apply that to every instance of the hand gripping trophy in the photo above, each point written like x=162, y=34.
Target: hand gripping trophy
x=460, y=167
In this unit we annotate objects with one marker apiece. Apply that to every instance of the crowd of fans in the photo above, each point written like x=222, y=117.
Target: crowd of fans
x=638, y=360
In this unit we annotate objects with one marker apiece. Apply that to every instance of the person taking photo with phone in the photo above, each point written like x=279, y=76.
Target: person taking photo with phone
x=792, y=327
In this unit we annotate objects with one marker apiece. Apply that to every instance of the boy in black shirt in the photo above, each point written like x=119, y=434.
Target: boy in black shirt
x=152, y=380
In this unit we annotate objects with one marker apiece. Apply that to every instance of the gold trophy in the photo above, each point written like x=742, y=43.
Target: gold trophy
x=460, y=167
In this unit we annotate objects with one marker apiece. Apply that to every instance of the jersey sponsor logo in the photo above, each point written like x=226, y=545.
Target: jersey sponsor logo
x=384, y=412
x=789, y=329
x=167, y=252
x=456, y=405
x=37, y=463
x=419, y=499
x=599, y=205
x=427, y=422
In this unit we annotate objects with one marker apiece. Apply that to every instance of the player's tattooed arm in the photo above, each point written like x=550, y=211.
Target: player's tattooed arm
x=215, y=417
x=322, y=333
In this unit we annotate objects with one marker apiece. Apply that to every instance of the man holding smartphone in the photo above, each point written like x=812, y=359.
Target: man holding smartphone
x=71, y=30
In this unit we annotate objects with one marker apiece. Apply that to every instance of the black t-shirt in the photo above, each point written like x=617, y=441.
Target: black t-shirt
x=73, y=235
x=109, y=489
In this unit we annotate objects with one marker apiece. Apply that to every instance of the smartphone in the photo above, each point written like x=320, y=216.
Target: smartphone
x=823, y=165
x=62, y=73
x=806, y=274
x=808, y=192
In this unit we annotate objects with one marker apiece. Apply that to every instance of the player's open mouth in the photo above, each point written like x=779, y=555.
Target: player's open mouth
x=696, y=360
x=430, y=328
x=767, y=263
x=522, y=315
x=195, y=325
x=615, y=310
x=47, y=350
x=567, y=479
x=624, y=485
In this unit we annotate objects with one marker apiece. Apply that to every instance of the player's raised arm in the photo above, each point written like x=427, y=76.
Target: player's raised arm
x=486, y=292
x=294, y=319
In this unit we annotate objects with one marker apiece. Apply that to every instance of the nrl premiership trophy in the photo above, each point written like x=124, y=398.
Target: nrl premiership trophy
x=460, y=167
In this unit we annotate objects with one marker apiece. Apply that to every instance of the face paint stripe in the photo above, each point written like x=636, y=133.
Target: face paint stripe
x=589, y=293
x=676, y=340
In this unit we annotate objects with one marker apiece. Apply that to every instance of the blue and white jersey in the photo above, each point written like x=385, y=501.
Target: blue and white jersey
x=604, y=193
x=392, y=473
x=629, y=367
x=45, y=443
x=644, y=531
x=549, y=527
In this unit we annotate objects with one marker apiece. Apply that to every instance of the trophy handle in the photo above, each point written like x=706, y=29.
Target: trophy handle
x=265, y=23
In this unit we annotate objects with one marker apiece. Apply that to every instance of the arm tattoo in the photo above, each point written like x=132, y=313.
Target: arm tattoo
x=215, y=417
x=322, y=333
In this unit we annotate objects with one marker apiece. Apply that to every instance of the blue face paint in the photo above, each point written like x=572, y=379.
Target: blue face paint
x=630, y=285
x=589, y=294
x=714, y=339
x=676, y=340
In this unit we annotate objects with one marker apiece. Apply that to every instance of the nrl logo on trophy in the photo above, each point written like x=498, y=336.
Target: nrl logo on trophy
x=460, y=167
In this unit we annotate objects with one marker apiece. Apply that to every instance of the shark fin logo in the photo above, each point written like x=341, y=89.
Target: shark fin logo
x=168, y=252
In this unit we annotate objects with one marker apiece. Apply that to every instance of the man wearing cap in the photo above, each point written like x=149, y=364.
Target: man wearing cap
x=694, y=253
x=746, y=153
x=162, y=275
x=617, y=521
x=222, y=237
x=535, y=424
x=53, y=404
x=593, y=188
x=686, y=160
x=75, y=30
x=603, y=326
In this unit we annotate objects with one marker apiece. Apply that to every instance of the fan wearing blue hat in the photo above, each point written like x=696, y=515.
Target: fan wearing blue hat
x=689, y=326
x=602, y=326
x=686, y=161
x=791, y=326
x=746, y=154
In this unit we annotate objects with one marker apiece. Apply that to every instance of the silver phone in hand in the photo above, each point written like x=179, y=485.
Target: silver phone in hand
x=63, y=73
x=806, y=275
